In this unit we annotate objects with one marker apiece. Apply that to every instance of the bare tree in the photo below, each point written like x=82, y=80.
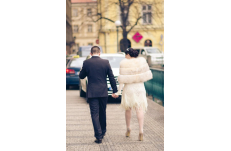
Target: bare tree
x=126, y=11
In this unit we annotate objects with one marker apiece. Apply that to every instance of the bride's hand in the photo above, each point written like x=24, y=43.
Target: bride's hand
x=114, y=95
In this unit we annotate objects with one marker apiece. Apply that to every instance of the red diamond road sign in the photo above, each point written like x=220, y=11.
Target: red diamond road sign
x=137, y=37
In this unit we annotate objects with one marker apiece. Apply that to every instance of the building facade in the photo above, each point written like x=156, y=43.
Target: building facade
x=85, y=30
x=69, y=36
x=149, y=30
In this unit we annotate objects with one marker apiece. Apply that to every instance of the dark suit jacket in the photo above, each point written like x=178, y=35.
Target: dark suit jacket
x=97, y=70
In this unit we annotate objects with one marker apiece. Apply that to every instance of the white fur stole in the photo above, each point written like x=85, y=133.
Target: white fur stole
x=134, y=70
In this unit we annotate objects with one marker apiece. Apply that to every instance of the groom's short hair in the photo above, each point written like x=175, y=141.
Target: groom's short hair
x=95, y=49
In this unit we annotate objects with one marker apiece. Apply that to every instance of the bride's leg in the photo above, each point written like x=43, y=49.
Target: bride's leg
x=128, y=115
x=140, y=117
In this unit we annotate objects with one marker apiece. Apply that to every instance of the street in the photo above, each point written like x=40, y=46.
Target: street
x=80, y=133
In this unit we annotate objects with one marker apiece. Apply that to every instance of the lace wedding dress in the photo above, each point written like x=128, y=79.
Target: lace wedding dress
x=134, y=97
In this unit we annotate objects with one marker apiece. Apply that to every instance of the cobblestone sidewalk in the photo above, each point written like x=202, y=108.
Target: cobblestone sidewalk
x=80, y=133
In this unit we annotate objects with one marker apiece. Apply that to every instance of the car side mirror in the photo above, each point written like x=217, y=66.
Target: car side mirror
x=143, y=53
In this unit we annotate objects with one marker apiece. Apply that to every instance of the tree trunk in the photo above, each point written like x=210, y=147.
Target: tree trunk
x=124, y=42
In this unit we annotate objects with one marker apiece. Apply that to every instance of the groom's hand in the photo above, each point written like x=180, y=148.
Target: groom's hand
x=114, y=95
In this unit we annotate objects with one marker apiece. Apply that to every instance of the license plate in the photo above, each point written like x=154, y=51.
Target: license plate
x=76, y=73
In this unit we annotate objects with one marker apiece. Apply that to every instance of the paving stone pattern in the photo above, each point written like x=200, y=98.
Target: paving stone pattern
x=80, y=133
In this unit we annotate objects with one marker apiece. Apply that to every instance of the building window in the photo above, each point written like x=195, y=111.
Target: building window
x=147, y=14
x=89, y=12
x=90, y=44
x=148, y=43
x=89, y=29
x=76, y=28
x=74, y=12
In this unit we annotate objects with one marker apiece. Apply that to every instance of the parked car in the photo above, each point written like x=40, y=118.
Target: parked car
x=72, y=71
x=153, y=55
x=114, y=60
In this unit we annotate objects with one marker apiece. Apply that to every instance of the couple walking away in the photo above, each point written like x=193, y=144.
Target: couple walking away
x=133, y=73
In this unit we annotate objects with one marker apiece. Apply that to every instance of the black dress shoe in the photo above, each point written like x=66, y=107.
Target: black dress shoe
x=98, y=141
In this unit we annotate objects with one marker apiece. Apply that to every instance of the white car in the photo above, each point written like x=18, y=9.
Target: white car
x=157, y=56
x=114, y=60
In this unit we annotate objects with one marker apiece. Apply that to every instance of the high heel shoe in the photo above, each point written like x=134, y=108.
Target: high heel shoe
x=128, y=132
x=141, y=137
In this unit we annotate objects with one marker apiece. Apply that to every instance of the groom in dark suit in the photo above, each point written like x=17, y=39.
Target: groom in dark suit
x=97, y=70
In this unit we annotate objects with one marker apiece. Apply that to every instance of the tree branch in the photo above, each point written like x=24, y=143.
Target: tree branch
x=134, y=24
x=103, y=18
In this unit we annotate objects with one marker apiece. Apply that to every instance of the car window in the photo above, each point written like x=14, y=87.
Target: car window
x=142, y=52
x=67, y=60
x=153, y=50
x=76, y=63
x=114, y=61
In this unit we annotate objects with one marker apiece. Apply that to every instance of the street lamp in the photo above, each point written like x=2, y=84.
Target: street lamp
x=117, y=23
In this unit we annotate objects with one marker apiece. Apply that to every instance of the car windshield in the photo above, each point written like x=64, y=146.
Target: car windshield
x=76, y=63
x=114, y=61
x=153, y=50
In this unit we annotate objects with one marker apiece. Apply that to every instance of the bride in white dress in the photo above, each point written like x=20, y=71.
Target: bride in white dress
x=134, y=71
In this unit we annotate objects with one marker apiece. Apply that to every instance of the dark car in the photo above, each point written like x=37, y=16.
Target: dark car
x=72, y=71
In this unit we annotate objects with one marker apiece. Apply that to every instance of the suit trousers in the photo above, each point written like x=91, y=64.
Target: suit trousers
x=98, y=115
